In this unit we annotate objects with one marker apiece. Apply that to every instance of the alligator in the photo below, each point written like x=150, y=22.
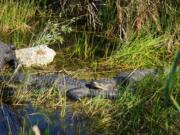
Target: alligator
x=7, y=55
x=105, y=87
x=77, y=89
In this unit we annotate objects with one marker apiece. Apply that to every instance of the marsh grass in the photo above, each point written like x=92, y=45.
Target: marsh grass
x=49, y=97
x=147, y=111
x=142, y=26
x=170, y=82
x=15, y=15
x=84, y=47
x=16, y=19
x=148, y=51
x=97, y=112
x=142, y=112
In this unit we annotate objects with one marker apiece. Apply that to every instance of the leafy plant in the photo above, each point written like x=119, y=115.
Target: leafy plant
x=52, y=34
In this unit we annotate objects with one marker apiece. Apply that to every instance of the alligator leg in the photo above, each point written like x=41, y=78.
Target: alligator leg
x=79, y=93
x=104, y=94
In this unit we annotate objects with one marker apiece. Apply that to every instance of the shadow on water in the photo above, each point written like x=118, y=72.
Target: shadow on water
x=21, y=121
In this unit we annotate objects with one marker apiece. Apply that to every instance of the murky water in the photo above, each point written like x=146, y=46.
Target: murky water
x=22, y=121
x=51, y=121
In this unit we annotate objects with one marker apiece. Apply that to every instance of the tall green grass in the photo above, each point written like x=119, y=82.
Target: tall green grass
x=145, y=51
x=16, y=15
x=85, y=46
x=16, y=20
x=138, y=25
x=168, y=93
x=144, y=112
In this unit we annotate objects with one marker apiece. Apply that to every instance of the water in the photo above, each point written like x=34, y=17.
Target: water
x=51, y=122
x=21, y=121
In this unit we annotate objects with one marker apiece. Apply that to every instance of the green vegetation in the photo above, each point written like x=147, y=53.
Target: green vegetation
x=141, y=113
x=15, y=20
x=119, y=35
x=142, y=52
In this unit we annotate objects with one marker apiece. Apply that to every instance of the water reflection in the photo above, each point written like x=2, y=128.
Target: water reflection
x=51, y=122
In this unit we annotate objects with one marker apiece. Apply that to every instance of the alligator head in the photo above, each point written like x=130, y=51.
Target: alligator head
x=7, y=56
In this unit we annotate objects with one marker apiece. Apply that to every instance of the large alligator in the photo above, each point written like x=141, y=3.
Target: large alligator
x=78, y=89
